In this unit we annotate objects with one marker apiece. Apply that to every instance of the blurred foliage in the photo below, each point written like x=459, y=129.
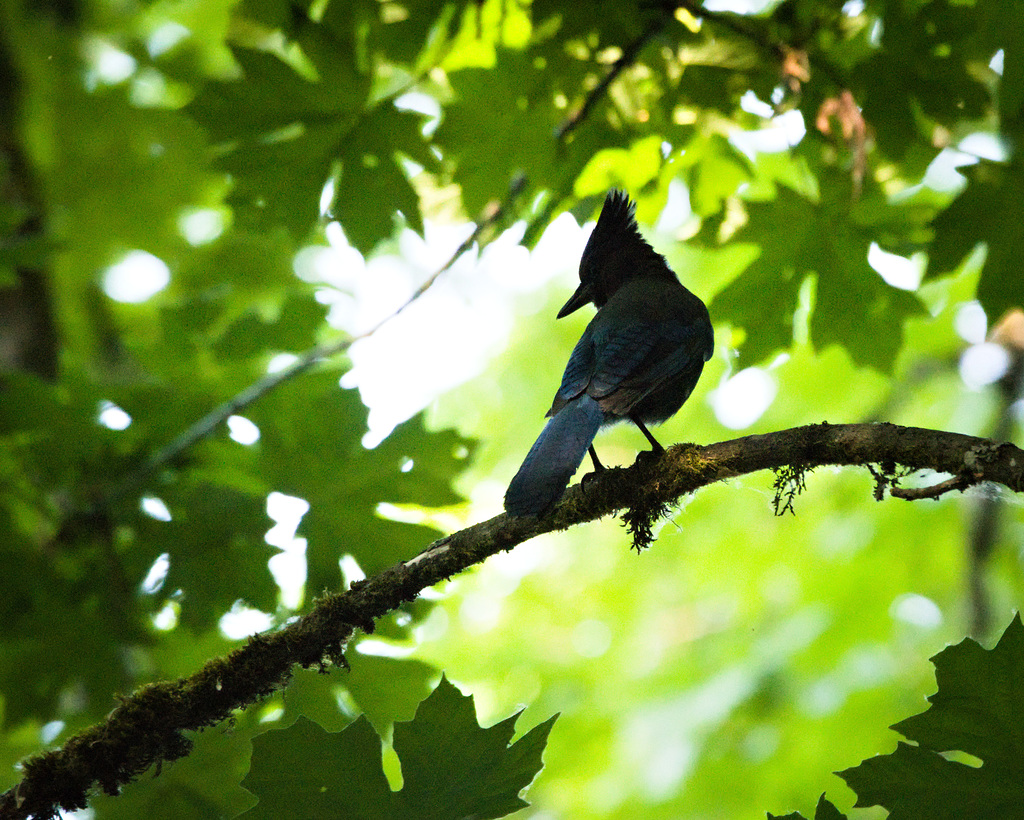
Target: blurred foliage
x=776, y=156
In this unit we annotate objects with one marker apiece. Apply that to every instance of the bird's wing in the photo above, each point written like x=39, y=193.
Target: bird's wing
x=578, y=372
x=640, y=359
x=621, y=353
x=606, y=360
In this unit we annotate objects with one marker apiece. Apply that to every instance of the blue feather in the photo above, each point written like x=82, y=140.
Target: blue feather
x=555, y=456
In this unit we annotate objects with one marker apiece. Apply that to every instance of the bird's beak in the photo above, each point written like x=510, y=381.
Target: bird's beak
x=584, y=293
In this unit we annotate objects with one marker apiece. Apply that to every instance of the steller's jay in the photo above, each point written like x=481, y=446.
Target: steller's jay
x=639, y=358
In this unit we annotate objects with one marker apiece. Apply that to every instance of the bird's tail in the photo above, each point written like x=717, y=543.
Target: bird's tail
x=554, y=457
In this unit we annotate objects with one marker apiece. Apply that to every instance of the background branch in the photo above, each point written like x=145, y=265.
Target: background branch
x=736, y=23
x=629, y=56
x=148, y=727
x=202, y=428
x=756, y=31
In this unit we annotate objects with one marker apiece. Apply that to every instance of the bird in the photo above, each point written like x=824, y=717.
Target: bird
x=638, y=359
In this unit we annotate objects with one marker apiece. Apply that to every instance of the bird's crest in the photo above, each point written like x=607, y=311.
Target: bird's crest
x=616, y=250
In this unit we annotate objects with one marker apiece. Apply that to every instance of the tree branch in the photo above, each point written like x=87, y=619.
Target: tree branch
x=149, y=726
x=629, y=56
x=737, y=24
x=750, y=28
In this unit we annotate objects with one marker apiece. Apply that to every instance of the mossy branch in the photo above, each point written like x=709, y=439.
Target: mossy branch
x=150, y=725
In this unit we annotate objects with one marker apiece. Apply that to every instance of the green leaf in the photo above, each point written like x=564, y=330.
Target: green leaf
x=284, y=134
x=383, y=689
x=280, y=182
x=94, y=649
x=978, y=706
x=387, y=689
x=517, y=137
x=823, y=811
x=711, y=87
x=716, y=170
x=926, y=65
x=632, y=168
x=977, y=710
x=918, y=783
x=304, y=771
x=272, y=95
x=371, y=163
x=310, y=447
x=294, y=328
x=854, y=306
x=451, y=767
x=988, y=210
x=218, y=555
x=399, y=37
x=826, y=811
x=457, y=768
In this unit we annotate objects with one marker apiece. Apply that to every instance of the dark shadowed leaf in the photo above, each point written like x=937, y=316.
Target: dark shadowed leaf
x=451, y=767
x=823, y=811
x=310, y=447
x=976, y=711
x=988, y=210
x=854, y=307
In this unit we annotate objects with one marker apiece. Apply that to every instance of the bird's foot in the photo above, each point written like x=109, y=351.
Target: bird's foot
x=649, y=456
x=589, y=477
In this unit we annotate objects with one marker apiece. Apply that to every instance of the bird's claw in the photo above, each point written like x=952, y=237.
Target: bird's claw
x=649, y=456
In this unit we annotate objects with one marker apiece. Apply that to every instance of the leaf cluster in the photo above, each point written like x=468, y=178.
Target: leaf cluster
x=219, y=146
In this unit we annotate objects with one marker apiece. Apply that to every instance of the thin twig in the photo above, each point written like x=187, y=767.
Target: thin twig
x=629, y=55
x=737, y=24
x=957, y=482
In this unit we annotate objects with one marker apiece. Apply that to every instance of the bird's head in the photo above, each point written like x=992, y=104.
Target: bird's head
x=614, y=253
